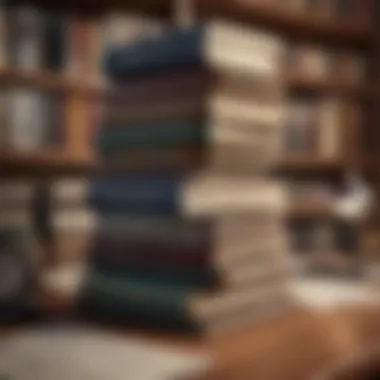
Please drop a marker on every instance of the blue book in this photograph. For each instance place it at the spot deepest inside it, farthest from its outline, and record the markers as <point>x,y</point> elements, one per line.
<point>177,48</point>
<point>185,195</point>
<point>134,195</point>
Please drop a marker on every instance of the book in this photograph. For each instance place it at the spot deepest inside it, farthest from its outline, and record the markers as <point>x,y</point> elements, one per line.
<point>301,126</point>
<point>185,243</point>
<point>26,41</point>
<point>55,41</point>
<point>331,128</point>
<point>29,120</point>
<point>192,196</point>
<point>249,270</point>
<point>188,84</point>
<point>217,44</point>
<point>159,304</point>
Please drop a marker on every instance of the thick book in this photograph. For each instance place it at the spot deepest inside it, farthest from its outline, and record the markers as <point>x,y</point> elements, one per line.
<point>215,44</point>
<point>189,196</point>
<point>187,84</point>
<point>26,37</point>
<point>218,244</point>
<point>248,271</point>
<point>157,303</point>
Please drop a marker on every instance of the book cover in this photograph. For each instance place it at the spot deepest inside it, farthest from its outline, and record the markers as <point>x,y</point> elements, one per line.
<point>193,196</point>
<point>190,46</point>
<point>157,302</point>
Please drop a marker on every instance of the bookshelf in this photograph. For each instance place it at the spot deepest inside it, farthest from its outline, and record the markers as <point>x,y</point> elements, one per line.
<point>74,158</point>
<point>329,87</point>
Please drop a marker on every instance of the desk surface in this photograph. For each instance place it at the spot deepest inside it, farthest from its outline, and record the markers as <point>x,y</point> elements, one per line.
<point>293,346</point>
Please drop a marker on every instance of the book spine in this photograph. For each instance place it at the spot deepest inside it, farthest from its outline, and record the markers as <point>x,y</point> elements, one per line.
<point>183,84</point>
<point>175,49</point>
<point>153,252</point>
<point>135,196</point>
<point>202,277</point>
<point>54,41</point>
<point>27,38</point>
<point>124,138</point>
<point>131,297</point>
<point>26,109</point>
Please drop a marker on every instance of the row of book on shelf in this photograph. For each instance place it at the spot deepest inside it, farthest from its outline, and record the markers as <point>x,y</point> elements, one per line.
<point>323,63</point>
<point>312,126</point>
<point>360,11</point>
<point>318,126</point>
<point>33,39</point>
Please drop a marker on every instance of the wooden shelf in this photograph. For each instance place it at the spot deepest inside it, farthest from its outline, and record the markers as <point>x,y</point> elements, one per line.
<point>49,163</point>
<point>309,210</point>
<point>310,163</point>
<point>298,81</point>
<point>296,24</point>
<point>46,81</point>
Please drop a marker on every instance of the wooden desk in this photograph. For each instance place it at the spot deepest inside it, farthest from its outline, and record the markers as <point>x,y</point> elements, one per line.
<point>290,347</point>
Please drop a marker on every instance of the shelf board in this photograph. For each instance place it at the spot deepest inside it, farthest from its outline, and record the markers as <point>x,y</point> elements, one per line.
<point>48,163</point>
<point>296,24</point>
<point>298,81</point>
<point>52,82</point>
<point>309,163</point>
<point>309,210</point>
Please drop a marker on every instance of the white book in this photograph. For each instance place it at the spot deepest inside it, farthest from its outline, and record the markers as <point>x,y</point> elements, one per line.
<point>28,31</point>
<point>27,131</point>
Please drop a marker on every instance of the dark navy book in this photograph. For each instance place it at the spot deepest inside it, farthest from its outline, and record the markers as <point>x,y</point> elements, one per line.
<point>137,195</point>
<point>177,48</point>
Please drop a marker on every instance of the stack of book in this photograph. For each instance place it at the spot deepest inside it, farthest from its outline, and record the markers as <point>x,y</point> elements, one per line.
<point>191,231</point>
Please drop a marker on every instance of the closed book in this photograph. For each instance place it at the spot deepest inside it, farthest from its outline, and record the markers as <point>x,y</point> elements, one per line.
<point>196,132</point>
<point>189,84</point>
<point>247,271</point>
<point>54,41</point>
<point>331,128</point>
<point>184,243</point>
<point>190,196</point>
<point>215,107</point>
<point>27,37</point>
<point>27,124</point>
<point>216,44</point>
<point>69,193</point>
<point>154,302</point>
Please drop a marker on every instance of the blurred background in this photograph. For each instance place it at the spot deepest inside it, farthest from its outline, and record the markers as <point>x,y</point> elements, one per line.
<point>188,166</point>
